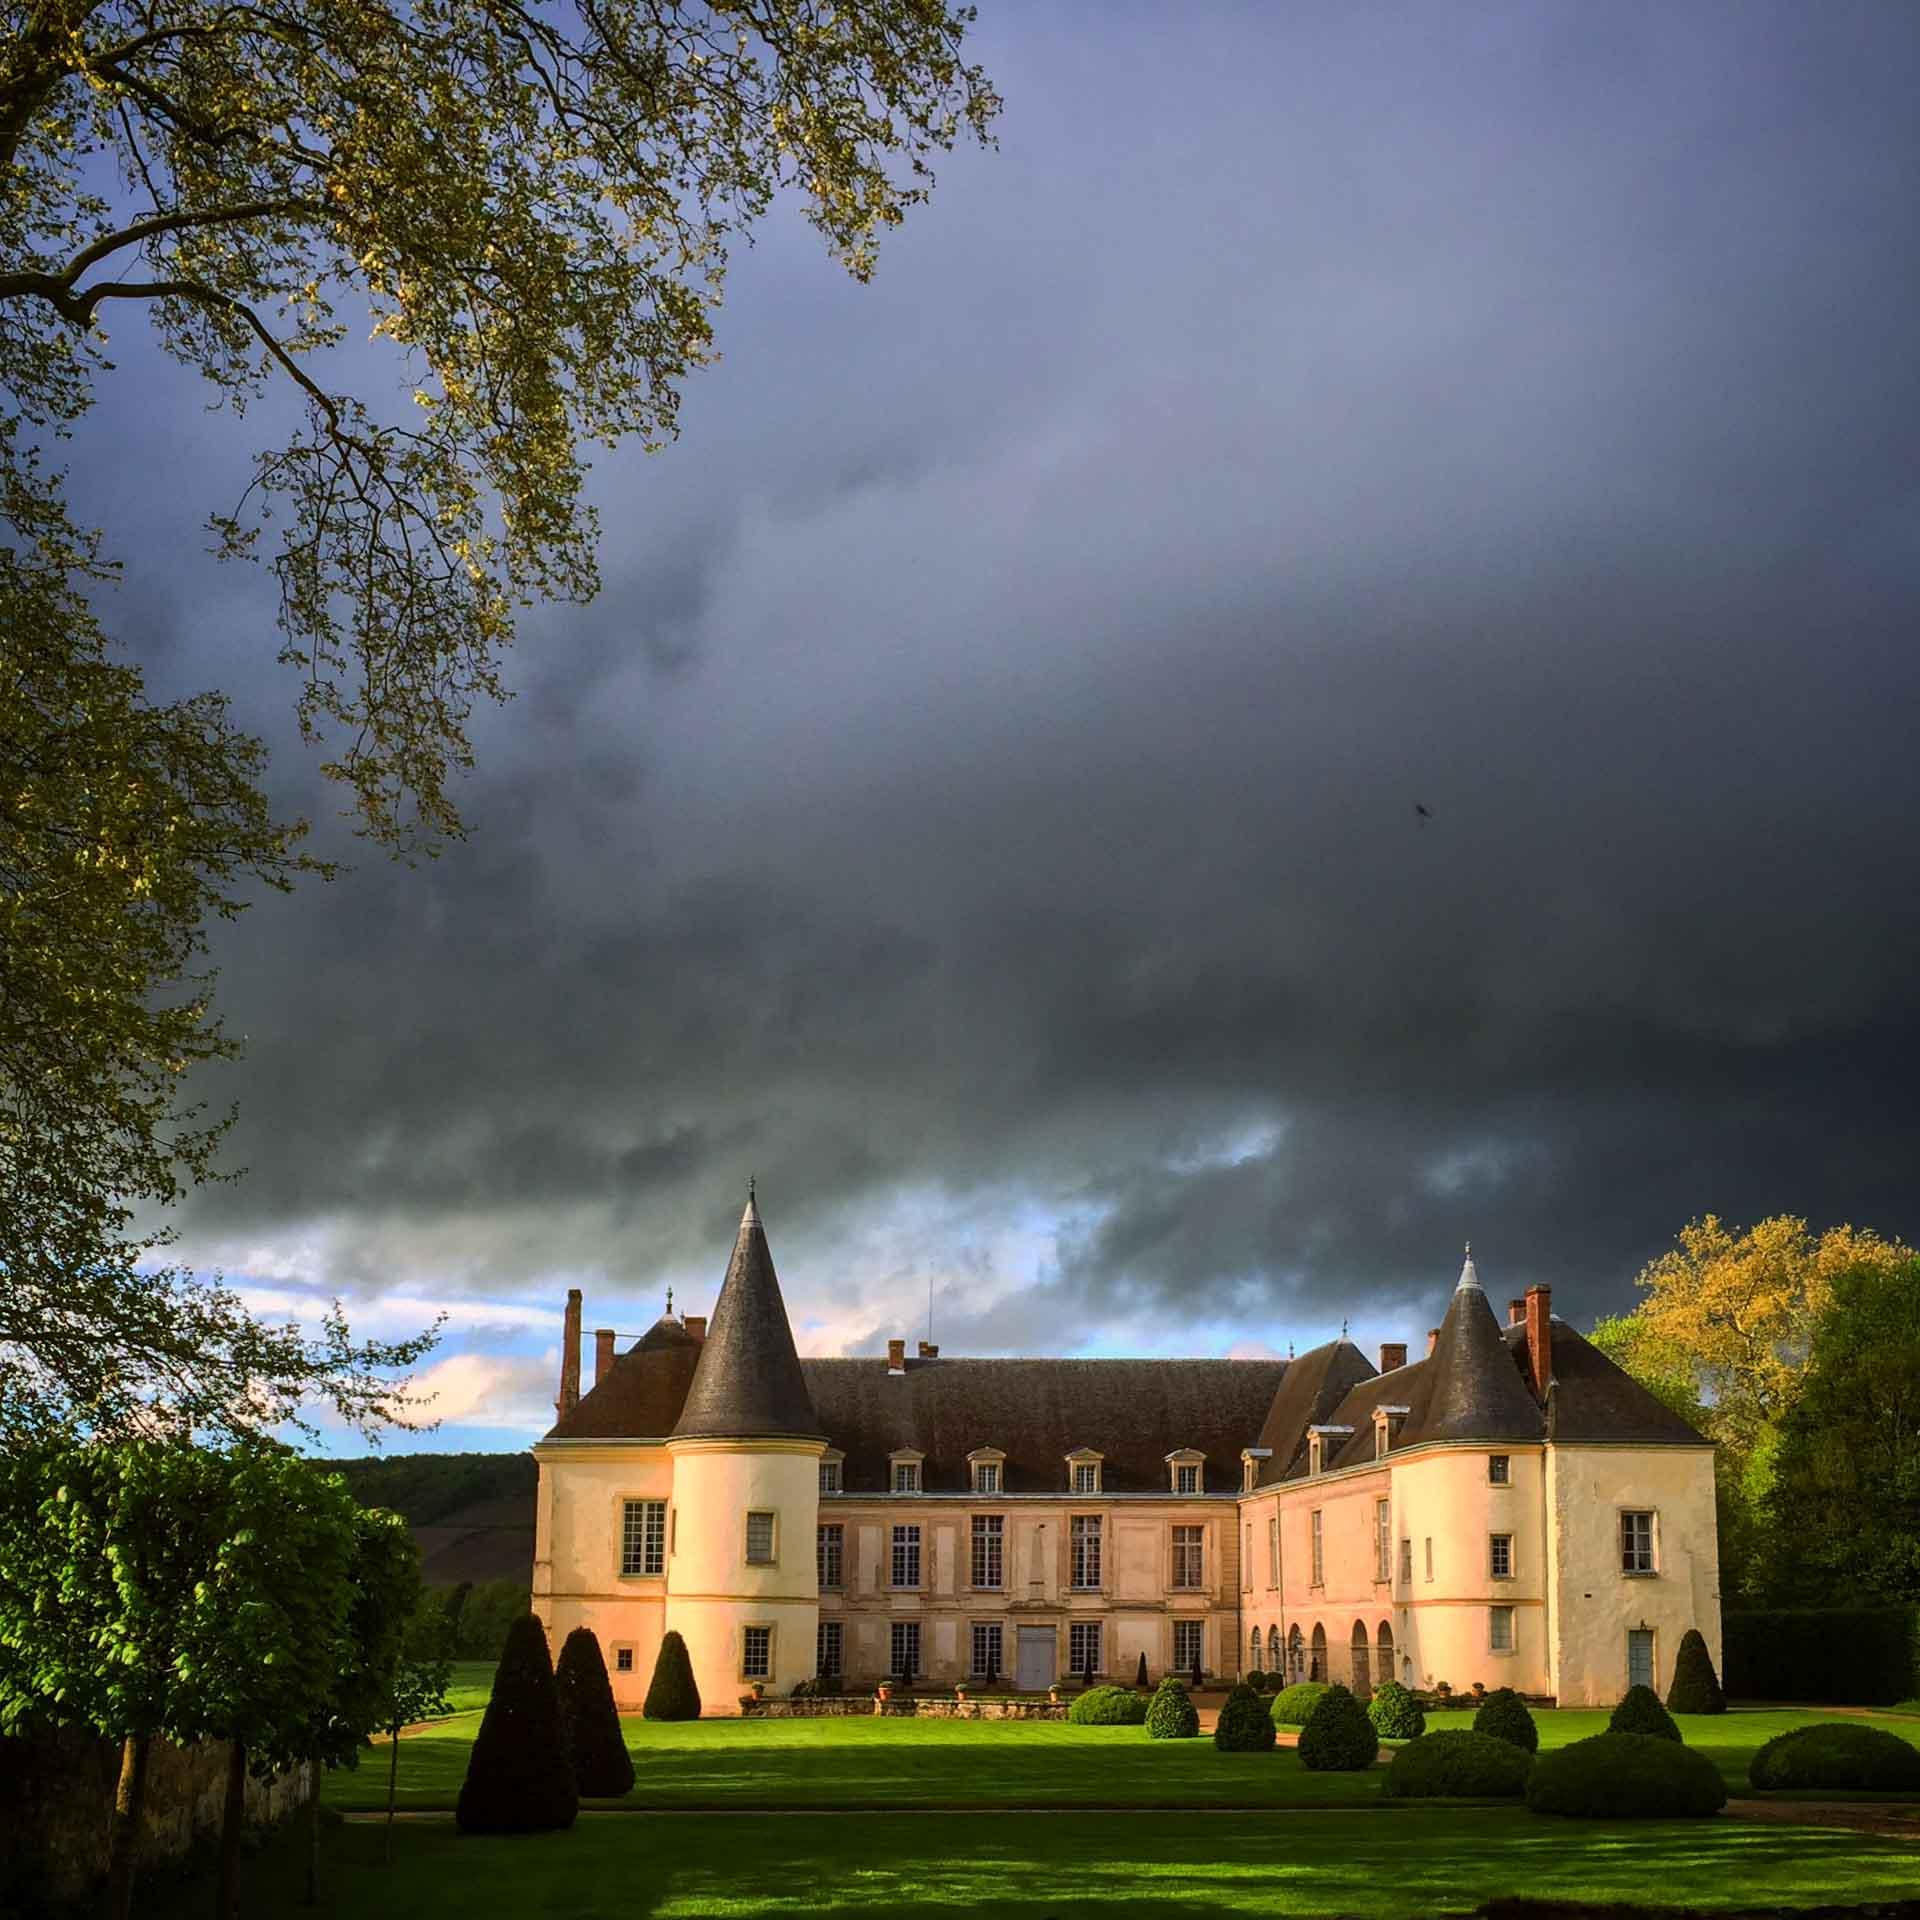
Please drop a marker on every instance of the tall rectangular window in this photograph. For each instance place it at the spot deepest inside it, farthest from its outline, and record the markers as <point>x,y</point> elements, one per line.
<point>905,1649</point>
<point>1187,1543</point>
<point>986,1476</point>
<point>1406,1563</point>
<point>832,1557</point>
<point>1500,1629</point>
<point>829,1476</point>
<point>1499,1469</point>
<point>759,1539</point>
<point>1083,1646</point>
<point>1382,1540</point>
<point>906,1556</point>
<point>1084,1535</point>
<point>829,1650</point>
<point>1429,1556</point>
<point>756,1652</point>
<point>1086,1477</point>
<point>1273,1551</point>
<point>906,1476</point>
<point>643,1536</point>
<point>1500,1556</point>
<point>1186,1645</point>
<point>1186,1479</point>
<point>1636,1543</point>
<point>1319,1556</point>
<point>988,1651</point>
<point>989,1544</point>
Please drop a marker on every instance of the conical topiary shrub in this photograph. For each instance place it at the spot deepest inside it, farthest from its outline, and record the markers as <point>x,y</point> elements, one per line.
<point>1504,1715</point>
<point>671,1695</point>
<point>589,1724</point>
<point>1696,1687</point>
<point>1395,1713</point>
<point>1338,1736</point>
<point>1140,1672</point>
<point>1641,1712</point>
<point>519,1779</point>
<point>1171,1715</point>
<point>1244,1725</point>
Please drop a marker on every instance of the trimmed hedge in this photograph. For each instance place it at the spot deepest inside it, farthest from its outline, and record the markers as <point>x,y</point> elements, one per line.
<point>1395,1713</point>
<point>1626,1776</point>
<point>1108,1707</point>
<point>1292,1706</point>
<point>1837,1755</point>
<point>1338,1736</point>
<point>1256,1678</point>
<point>1244,1725</point>
<point>1457,1765</point>
<point>1503,1715</point>
<point>589,1722</point>
<point>1640,1711</point>
<point>1171,1715</point>
<point>1844,1656</point>
<point>671,1694</point>
<point>519,1779</point>
<point>1696,1687</point>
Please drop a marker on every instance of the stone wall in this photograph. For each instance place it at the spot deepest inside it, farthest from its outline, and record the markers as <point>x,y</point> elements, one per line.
<point>56,1810</point>
<point>991,1708</point>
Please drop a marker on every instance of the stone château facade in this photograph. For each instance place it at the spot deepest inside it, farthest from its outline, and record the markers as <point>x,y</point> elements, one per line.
<point>1510,1508</point>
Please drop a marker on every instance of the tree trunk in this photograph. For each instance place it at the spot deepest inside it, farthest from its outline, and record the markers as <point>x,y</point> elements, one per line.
<point>227,1898</point>
<point>393,1785</point>
<point>129,1799</point>
<point>313,1839</point>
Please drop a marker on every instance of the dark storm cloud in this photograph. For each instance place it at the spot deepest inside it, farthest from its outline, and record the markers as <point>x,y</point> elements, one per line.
<point>983,800</point>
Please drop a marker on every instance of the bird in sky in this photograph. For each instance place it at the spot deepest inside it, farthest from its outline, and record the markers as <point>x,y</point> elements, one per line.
<point>1423,810</point>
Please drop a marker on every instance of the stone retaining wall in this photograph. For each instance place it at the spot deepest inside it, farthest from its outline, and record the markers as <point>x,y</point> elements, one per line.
<point>825,1706</point>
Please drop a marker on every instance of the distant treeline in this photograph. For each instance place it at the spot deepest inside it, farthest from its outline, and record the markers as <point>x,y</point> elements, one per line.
<point>424,1488</point>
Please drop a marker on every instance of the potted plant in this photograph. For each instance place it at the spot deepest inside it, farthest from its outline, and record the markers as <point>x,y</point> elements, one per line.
<point>884,1691</point>
<point>1053,1694</point>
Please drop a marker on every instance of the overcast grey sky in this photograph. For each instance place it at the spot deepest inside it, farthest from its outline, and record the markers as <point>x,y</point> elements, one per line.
<point>982,802</point>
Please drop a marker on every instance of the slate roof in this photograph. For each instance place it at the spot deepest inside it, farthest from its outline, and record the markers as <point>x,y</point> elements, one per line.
<point>1593,1399</point>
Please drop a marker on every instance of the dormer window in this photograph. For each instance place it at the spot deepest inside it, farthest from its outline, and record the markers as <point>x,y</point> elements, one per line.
<point>831,1464</point>
<point>1083,1470</point>
<point>1322,1444</point>
<point>1250,1458</point>
<point>988,1466</point>
<point>1386,1429</point>
<point>1187,1466</point>
<point>904,1474</point>
<point>1316,1453</point>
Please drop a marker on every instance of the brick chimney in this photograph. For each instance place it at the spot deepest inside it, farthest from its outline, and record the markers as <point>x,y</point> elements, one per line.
<point>1433,1340</point>
<point>1393,1355</point>
<point>697,1325</point>
<point>1516,1312</point>
<point>928,1351</point>
<point>896,1356</point>
<point>602,1353</point>
<point>1538,1305</point>
<point>569,1357</point>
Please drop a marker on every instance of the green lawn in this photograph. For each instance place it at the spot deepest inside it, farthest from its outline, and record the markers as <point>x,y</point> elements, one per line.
<point>898,1763</point>
<point>472,1685</point>
<point>1423,1861</point>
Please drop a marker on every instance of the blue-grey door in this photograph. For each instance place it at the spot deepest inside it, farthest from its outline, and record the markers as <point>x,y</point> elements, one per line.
<point>1639,1657</point>
<point>1036,1650</point>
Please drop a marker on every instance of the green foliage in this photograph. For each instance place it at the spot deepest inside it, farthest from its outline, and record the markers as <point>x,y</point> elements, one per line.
<point>519,1779</point>
<point>425,1487</point>
<point>1170,1714</point>
<point>1255,1678</point>
<point>1395,1713</point>
<point>1845,1656</point>
<point>1838,1755</point>
<point>589,1722</point>
<point>671,1694</point>
<point>1503,1715</point>
<point>1108,1707</point>
<point>1626,1776</point>
<point>1244,1725</point>
<point>1338,1736</point>
<point>1456,1764</point>
<point>1696,1687</point>
<point>490,1608</point>
<point>1293,1704</point>
<point>1640,1711</point>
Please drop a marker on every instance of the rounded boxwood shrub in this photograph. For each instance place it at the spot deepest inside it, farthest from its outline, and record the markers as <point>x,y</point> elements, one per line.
<point>1836,1754</point>
<point>589,1723</point>
<point>1395,1713</point>
<point>1244,1725</point>
<point>1338,1736</point>
<point>1171,1715</point>
<point>1641,1712</point>
<point>1626,1776</point>
<point>671,1694</point>
<point>1293,1704</point>
<point>1108,1707</point>
<point>519,1779</point>
<point>1696,1687</point>
<point>1255,1677</point>
<point>1457,1765</point>
<point>1503,1715</point>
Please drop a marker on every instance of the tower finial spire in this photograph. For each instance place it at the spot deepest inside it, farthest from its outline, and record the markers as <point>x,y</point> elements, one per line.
<point>1468,1276</point>
<point>669,1303</point>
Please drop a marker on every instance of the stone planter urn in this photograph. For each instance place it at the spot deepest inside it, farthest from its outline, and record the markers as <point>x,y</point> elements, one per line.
<point>883,1692</point>
<point>1053,1696</point>
<point>960,1696</point>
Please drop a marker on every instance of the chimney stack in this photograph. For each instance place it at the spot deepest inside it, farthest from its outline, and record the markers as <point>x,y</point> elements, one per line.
<point>696,1324</point>
<point>569,1357</point>
<point>896,1356</point>
<point>1433,1340</point>
<point>1393,1355</point>
<point>602,1353</point>
<point>1538,1305</point>
<point>1516,1312</point>
<point>928,1351</point>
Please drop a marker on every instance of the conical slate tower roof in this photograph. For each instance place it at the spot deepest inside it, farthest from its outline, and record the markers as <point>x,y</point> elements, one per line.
<point>1472,1388</point>
<point>748,1383</point>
